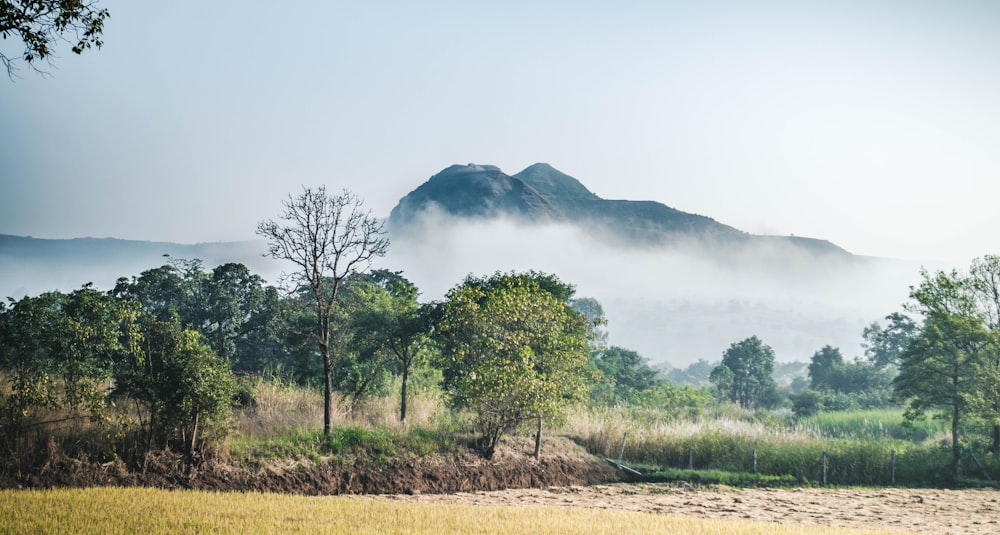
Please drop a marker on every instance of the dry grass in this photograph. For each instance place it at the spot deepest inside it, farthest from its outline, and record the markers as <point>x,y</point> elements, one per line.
<point>602,431</point>
<point>282,407</point>
<point>150,511</point>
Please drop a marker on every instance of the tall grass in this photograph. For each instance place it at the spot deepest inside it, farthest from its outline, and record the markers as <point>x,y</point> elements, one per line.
<point>873,424</point>
<point>870,448</point>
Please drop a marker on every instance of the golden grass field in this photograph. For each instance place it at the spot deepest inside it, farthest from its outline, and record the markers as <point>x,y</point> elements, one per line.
<point>151,511</point>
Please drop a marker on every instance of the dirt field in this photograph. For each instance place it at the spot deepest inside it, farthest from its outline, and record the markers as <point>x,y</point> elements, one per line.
<point>908,510</point>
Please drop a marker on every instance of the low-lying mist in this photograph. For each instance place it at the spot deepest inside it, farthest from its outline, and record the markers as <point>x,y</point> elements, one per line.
<point>675,304</point>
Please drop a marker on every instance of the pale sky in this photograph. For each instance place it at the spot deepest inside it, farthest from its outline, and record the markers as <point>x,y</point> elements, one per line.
<point>873,124</point>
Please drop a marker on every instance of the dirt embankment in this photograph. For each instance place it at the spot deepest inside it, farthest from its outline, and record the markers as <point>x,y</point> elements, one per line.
<point>458,473</point>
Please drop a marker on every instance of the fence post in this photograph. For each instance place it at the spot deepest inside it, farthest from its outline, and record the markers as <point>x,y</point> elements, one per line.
<point>892,472</point>
<point>824,468</point>
<point>621,451</point>
<point>690,457</point>
<point>755,460</point>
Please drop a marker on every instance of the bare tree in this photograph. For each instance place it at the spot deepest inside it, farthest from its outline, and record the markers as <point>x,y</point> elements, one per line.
<point>328,237</point>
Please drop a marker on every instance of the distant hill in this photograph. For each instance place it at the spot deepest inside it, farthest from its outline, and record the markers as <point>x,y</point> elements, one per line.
<point>543,194</point>
<point>29,266</point>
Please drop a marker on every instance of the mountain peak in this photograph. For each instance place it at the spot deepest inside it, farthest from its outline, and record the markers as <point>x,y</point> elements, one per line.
<point>543,193</point>
<point>472,190</point>
<point>553,183</point>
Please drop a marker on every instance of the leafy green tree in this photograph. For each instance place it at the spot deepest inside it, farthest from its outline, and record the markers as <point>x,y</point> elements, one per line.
<point>397,324</point>
<point>230,306</point>
<point>824,369</point>
<point>40,24</point>
<point>327,237</point>
<point>238,315</point>
<point>362,367</point>
<point>938,369</point>
<point>884,345</point>
<point>626,375</point>
<point>514,351</point>
<point>684,401</point>
<point>696,374</point>
<point>744,376</point>
<point>984,279</point>
<point>59,351</point>
<point>183,387</point>
<point>828,372</point>
<point>161,292</point>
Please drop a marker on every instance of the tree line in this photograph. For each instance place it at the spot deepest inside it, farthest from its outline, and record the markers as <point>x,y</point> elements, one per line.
<point>161,354</point>
<point>940,355</point>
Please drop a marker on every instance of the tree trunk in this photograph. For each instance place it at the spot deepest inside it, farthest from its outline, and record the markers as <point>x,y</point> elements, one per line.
<point>538,439</point>
<point>327,390</point>
<point>995,445</point>
<point>402,396</point>
<point>194,435</point>
<point>956,448</point>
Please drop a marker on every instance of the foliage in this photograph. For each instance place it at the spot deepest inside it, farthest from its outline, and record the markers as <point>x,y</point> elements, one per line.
<point>230,306</point>
<point>394,323</point>
<point>744,376</point>
<point>39,24</point>
<point>948,363</point>
<point>884,345</point>
<point>57,352</point>
<point>626,376</point>
<point>513,351</point>
<point>328,238</point>
<point>680,401</point>
<point>696,374</point>
<point>183,387</point>
<point>836,385</point>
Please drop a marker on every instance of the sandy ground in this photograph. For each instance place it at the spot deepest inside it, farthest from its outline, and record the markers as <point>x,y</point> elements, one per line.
<point>908,510</point>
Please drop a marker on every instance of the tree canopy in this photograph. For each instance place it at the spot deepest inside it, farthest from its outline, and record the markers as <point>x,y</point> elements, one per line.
<point>744,376</point>
<point>41,24</point>
<point>514,350</point>
<point>951,365</point>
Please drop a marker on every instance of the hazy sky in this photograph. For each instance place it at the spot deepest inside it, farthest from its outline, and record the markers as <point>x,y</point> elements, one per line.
<point>874,124</point>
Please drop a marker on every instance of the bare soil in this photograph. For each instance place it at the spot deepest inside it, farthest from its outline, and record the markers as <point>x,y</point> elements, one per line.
<point>906,510</point>
<point>466,472</point>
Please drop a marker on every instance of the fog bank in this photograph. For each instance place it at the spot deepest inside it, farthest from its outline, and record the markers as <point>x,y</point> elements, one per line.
<point>674,304</point>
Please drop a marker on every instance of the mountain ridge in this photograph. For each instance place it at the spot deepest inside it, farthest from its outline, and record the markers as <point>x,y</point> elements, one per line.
<point>542,194</point>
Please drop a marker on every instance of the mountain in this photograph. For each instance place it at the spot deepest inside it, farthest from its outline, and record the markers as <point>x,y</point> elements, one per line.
<point>543,194</point>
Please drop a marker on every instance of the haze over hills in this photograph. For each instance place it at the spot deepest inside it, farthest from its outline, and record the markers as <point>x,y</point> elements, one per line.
<point>29,266</point>
<point>675,286</point>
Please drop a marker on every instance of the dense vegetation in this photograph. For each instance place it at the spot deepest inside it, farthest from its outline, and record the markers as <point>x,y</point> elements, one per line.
<point>190,359</point>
